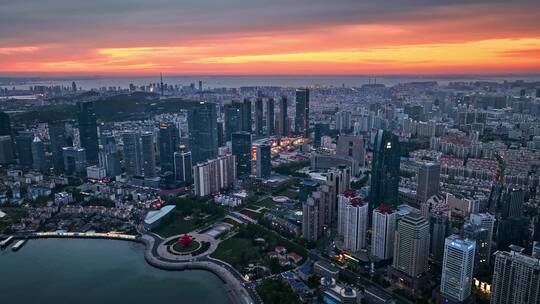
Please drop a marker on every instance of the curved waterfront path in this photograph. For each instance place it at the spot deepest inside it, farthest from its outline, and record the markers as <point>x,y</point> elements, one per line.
<point>157,255</point>
<point>238,294</point>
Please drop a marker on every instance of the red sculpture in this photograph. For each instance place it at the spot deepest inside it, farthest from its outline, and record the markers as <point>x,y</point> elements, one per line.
<point>185,240</point>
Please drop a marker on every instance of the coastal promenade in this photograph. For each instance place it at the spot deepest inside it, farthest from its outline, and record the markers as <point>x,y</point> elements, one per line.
<point>238,294</point>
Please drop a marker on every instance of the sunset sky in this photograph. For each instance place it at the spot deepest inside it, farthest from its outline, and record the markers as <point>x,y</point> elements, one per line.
<point>140,37</point>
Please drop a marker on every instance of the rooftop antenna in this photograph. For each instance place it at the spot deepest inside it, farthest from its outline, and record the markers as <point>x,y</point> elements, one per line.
<point>161,83</point>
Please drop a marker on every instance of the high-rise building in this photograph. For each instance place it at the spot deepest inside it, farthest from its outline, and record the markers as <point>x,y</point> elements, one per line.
<point>440,228</point>
<point>486,221</point>
<point>383,231</point>
<point>241,149</point>
<point>320,130</point>
<point>516,278</point>
<point>264,160</point>
<point>246,116</point>
<point>214,175</point>
<point>343,121</point>
<point>132,153</point>
<point>428,181</point>
<point>259,123</point>
<point>88,130</point>
<point>270,121</point>
<point>74,161</point>
<point>220,134</point>
<point>311,228</point>
<point>283,117</point>
<point>301,121</point>
<point>351,146</point>
<point>458,265</point>
<point>6,150</point>
<point>385,170</point>
<point>183,167</point>
<point>58,140</point>
<point>202,126</point>
<point>38,155</point>
<point>148,154</point>
<point>5,124</point>
<point>111,162</point>
<point>512,205</point>
<point>233,118</point>
<point>343,200</point>
<point>481,236</point>
<point>411,247</point>
<point>354,238</point>
<point>513,231</point>
<point>338,180</point>
<point>168,142</point>
<point>24,148</point>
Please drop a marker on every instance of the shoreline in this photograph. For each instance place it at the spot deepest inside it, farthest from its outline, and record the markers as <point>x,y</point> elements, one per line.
<point>235,290</point>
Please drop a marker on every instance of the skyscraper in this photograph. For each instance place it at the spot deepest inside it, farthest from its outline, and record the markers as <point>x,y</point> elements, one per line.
<point>516,278</point>
<point>233,118</point>
<point>132,153</point>
<point>320,130</point>
<point>5,124</point>
<point>148,154</point>
<point>202,127</point>
<point>220,134</point>
<point>428,181</point>
<point>411,247</point>
<point>439,231</point>
<point>382,237</point>
<point>24,148</point>
<point>246,116</point>
<point>58,139</point>
<point>311,228</point>
<point>6,150</point>
<point>343,200</point>
<point>264,161</point>
<point>458,265</point>
<point>74,161</point>
<point>241,149</point>
<point>301,121</point>
<point>354,238</point>
<point>283,117</point>
<point>486,221</point>
<point>183,167</point>
<point>481,236</point>
<point>259,116</point>
<point>385,170</point>
<point>168,141</point>
<point>270,121</point>
<point>512,204</point>
<point>38,155</point>
<point>88,130</point>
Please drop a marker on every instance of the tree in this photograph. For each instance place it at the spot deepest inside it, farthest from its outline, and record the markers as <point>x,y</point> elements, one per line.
<point>277,292</point>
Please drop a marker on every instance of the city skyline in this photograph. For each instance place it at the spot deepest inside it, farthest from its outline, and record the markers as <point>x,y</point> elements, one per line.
<point>242,37</point>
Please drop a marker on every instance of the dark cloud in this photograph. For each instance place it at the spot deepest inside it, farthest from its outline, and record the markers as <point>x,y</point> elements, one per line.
<point>30,22</point>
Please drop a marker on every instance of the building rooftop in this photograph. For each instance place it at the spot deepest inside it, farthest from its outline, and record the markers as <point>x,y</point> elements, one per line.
<point>153,216</point>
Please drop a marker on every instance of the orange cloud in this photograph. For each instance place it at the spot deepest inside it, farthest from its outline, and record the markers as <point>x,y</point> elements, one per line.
<point>348,49</point>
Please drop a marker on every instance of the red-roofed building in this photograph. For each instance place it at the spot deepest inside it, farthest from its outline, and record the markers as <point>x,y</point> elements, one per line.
<point>349,193</point>
<point>281,250</point>
<point>357,202</point>
<point>295,257</point>
<point>384,208</point>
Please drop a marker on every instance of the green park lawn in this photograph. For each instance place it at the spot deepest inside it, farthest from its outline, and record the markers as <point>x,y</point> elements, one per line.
<point>175,225</point>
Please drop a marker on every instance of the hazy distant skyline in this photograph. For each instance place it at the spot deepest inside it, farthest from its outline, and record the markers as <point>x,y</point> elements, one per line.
<point>142,37</point>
